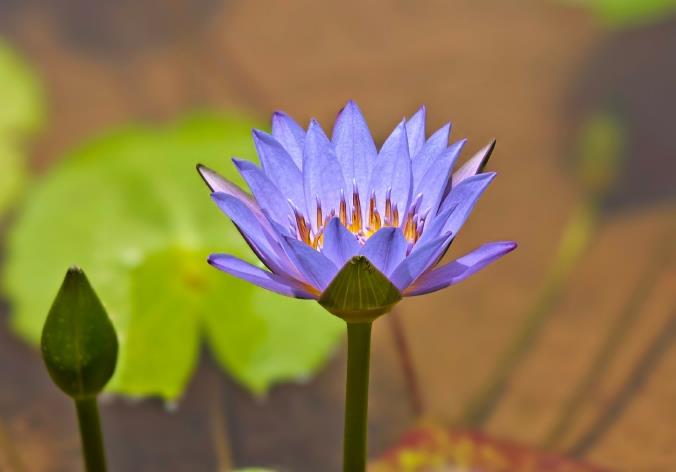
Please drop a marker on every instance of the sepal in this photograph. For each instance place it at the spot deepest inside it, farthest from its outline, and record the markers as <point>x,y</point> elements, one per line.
<point>359,292</point>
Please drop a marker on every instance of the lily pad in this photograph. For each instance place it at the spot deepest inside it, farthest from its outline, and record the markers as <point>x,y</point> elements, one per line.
<point>130,209</point>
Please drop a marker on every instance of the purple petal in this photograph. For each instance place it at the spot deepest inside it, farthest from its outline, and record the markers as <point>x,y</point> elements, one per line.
<point>290,135</point>
<point>419,261</point>
<point>464,197</point>
<point>433,184</point>
<point>386,249</point>
<point>355,150</point>
<point>316,268</point>
<point>218,183</point>
<point>322,176</point>
<point>268,196</point>
<point>434,146</point>
<point>392,172</point>
<point>340,245</point>
<point>475,164</point>
<point>460,269</point>
<point>279,167</point>
<point>257,276</point>
<point>415,131</point>
<point>261,239</point>
<point>433,228</point>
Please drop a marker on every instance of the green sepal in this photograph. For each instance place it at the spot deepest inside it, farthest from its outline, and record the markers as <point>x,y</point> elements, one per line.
<point>359,293</point>
<point>79,344</point>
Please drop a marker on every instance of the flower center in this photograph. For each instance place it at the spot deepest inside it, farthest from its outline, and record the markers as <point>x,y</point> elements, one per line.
<point>412,225</point>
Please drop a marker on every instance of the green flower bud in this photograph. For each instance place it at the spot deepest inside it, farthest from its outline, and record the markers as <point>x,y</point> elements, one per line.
<point>79,344</point>
<point>359,293</point>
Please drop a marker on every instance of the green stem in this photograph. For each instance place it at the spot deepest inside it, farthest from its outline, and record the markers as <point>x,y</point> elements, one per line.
<point>356,396</point>
<point>90,434</point>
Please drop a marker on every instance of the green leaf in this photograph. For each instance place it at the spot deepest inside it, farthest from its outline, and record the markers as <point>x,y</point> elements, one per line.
<point>21,112</point>
<point>163,331</point>
<point>130,208</point>
<point>286,340</point>
<point>360,292</point>
<point>620,13</point>
<point>79,344</point>
<point>21,95</point>
<point>12,173</point>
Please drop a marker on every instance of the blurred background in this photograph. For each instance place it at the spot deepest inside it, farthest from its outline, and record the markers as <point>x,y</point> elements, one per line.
<point>559,357</point>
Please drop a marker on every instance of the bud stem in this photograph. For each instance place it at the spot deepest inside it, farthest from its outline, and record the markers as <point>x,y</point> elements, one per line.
<point>356,396</point>
<point>90,434</point>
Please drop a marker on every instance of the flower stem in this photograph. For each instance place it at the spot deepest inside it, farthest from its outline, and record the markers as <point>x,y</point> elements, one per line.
<point>356,396</point>
<point>90,434</point>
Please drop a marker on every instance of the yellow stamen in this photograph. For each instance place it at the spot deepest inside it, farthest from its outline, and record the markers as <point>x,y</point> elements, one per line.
<point>355,226</point>
<point>342,213</point>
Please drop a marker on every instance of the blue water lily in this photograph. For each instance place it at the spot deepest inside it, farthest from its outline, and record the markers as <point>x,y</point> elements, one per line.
<point>318,206</point>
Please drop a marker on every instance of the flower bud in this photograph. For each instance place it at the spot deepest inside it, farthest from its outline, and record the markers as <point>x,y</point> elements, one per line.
<point>79,344</point>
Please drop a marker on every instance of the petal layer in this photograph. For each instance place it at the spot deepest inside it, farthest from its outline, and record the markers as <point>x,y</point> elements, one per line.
<point>392,172</point>
<point>290,135</point>
<point>355,150</point>
<point>460,269</point>
<point>431,149</point>
<point>260,239</point>
<point>316,268</point>
<point>279,167</point>
<point>267,195</point>
<point>340,245</point>
<point>474,164</point>
<point>258,276</point>
<point>463,198</point>
<point>420,261</point>
<point>386,249</point>
<point>435,180</point>
<point>415,131</point>
<point>322,175</point>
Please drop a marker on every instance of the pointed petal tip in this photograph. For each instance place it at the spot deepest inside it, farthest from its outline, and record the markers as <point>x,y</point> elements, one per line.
<point>314,125</point>
<point>202,169</point>
<point>211,258</point>
<point>263,136</point>
<point>487,151</point>
<point>242,163</point>
<point>208,175</point>
<point>421,109</point>
<point>488,175</point>
<point>350,104</point>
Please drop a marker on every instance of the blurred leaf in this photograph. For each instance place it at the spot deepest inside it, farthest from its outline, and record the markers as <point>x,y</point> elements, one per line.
<point>600,152</point>
<point>20,95</point>
<point>12,173</point>
<point>629,12</point>
<point>132,211</point>
<point>288,339</point>
<point>21,112</point>
<point>163,335</point>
